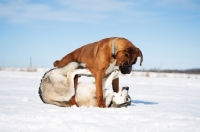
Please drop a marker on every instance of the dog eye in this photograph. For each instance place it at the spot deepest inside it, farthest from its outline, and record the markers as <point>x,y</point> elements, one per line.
<point>134,61</point>
<point>127,98</point>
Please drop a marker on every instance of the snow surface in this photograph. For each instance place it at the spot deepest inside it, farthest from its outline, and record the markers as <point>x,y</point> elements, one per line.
<point>167,103</point>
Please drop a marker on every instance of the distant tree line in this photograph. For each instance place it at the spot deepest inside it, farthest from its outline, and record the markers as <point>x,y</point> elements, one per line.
<point>187,71</point>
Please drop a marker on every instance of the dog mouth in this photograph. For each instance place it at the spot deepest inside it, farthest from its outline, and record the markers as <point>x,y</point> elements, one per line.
<point>125,68</point>
<point>126,104</point>
<point>123,105</point>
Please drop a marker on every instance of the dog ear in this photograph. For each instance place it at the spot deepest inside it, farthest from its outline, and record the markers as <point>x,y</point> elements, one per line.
<point>125,88</point>
<point>127,52</point>
<point>140,55</point>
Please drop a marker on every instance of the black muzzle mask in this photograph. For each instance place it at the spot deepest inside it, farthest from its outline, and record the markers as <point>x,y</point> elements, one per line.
<point>126,68</point>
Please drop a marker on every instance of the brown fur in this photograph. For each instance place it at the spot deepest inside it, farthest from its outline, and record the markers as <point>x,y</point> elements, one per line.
<point>97,57</point>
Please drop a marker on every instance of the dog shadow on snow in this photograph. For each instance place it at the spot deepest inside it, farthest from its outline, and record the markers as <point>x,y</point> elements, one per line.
<point>135,102</point>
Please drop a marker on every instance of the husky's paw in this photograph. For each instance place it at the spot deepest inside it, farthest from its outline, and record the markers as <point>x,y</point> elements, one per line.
<point>115,72</point>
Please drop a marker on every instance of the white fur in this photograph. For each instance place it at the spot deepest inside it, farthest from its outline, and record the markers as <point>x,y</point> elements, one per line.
<point>108,81</point>
<point>111,67</point>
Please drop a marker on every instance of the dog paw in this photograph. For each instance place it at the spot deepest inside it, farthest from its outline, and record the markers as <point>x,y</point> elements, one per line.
<point>101,105</point>
<point>115,72</point>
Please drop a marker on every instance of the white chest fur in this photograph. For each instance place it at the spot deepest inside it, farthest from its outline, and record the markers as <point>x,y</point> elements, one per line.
<point>111,67</point>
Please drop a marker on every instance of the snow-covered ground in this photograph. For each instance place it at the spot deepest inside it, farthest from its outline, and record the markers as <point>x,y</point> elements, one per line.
<point>160,103</point>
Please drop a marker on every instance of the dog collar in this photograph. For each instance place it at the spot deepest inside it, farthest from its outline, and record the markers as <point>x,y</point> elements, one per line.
<point>113,48</point>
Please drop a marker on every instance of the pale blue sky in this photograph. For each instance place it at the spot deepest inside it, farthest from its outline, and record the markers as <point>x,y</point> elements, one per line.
<point>166,31</point>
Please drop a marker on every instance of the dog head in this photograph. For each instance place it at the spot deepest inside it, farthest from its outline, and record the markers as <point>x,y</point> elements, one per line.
<point>121,99</point>
<point>126,58</point>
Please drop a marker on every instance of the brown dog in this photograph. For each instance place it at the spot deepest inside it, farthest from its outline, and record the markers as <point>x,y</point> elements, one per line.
<point>101,57</point>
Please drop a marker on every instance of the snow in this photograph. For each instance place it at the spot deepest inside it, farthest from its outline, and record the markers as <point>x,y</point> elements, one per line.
<point>160,103</point>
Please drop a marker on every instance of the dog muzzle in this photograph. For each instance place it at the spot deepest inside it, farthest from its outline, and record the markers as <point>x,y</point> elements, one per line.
<point>125,104</point>
<point>125,68</point>
<point>128,103</point>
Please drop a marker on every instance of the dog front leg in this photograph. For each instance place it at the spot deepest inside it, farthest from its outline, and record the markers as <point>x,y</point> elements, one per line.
<point>115,85</point>
<point>99,89</point>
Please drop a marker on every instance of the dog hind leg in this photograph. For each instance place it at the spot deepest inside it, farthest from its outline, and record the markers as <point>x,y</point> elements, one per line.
<point>65,60</point>
<point>73,100</point>
<point>73,79</point>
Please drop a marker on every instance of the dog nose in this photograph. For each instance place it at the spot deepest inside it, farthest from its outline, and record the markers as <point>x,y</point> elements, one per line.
<point>127,98</point>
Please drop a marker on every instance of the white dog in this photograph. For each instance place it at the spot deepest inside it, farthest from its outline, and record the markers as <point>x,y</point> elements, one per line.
<point>57,87</point>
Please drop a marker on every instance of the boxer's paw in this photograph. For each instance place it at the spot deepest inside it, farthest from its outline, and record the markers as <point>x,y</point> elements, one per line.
<point>101,105</point>
<point>100,102</point>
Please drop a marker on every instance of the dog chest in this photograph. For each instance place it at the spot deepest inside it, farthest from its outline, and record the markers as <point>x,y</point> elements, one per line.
<point>110,68</point>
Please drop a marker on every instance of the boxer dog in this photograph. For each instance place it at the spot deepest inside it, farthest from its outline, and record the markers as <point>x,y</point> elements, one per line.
<point>101,57</point>
<point>57,87</point>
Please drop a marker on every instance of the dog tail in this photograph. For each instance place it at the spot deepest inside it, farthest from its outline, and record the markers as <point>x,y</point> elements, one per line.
<point>46,75</point>
<point>40,94</point>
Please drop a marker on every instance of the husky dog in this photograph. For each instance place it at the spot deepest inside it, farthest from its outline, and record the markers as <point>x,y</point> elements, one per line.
<point>57,87</point>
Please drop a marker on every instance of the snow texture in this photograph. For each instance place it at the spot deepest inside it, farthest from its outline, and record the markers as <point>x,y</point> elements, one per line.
<point>168,103</point>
